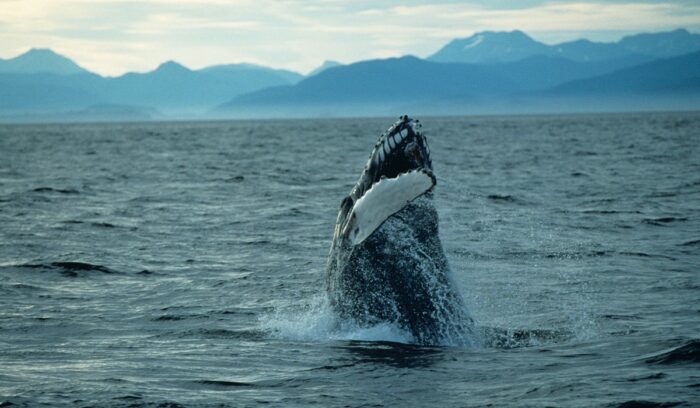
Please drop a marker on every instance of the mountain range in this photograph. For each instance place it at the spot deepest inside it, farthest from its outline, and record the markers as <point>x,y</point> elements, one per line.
<point>498,47</point>
<point>489,72</point>
<point>42,83</point>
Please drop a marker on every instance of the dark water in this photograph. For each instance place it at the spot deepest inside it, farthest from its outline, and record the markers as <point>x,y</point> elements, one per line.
<point>182,264</point>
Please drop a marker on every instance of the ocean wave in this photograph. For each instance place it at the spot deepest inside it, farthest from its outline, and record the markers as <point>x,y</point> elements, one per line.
<point>686,353</point>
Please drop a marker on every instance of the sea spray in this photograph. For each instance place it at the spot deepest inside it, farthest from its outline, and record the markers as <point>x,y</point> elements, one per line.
<point>316,321</point>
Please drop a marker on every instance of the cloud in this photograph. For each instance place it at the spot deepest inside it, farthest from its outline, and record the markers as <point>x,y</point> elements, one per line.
<point>114,36</point>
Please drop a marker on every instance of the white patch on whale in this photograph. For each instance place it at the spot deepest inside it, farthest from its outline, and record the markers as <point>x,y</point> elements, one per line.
<point>384,199</point>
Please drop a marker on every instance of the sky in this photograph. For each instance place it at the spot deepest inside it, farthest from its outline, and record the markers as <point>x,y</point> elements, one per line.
<point>111,37</point>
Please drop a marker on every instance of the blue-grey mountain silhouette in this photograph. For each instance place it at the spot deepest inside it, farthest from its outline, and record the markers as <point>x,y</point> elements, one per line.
<point>39,60</point>
<point>171,87</point>
<point>490,47</point>
<point>326,65</point>
<point>489,72</point>
<point>677,75</point>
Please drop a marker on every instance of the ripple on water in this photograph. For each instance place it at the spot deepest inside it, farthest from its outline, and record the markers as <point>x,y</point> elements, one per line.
<point>684,354</point>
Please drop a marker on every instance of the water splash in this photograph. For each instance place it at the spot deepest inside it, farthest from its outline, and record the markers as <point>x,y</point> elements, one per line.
<point>317,322</point>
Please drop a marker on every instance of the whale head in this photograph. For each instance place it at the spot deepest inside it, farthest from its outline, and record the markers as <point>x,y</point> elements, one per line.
<point>398,170</point>
<point>401,149</point>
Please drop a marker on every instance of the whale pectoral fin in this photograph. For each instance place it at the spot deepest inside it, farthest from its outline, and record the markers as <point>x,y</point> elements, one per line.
<point>386,197</point>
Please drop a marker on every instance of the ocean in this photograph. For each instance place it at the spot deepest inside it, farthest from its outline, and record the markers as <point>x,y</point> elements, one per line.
<point>182,264</point>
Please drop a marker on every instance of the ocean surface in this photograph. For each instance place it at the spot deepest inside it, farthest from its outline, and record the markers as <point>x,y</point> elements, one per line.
<point>182,264</point>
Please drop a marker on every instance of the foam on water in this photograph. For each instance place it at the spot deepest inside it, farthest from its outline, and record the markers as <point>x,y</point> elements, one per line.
<point>317,322</point>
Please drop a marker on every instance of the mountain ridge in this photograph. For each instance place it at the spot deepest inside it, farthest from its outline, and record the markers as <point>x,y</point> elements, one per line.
<point>509,76</point>
<point>490,47</point>
<point>381,87</point>
<point>38,60</point>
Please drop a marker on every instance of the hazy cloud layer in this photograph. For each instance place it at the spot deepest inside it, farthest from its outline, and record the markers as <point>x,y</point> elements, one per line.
<point>111,37</point>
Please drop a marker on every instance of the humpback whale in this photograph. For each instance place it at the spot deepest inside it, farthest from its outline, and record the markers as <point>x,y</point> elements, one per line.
<point>386,262</point>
